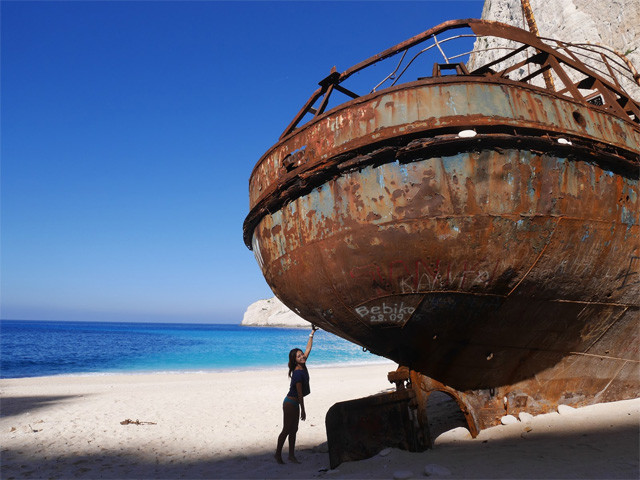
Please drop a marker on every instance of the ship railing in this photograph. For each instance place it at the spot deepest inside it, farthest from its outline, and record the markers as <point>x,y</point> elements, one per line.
<point>586,73</point>
<point>436,43</point>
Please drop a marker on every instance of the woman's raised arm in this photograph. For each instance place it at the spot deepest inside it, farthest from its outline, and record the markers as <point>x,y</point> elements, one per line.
<point>310,341</point>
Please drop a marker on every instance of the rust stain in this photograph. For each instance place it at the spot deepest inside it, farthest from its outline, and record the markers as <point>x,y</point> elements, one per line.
<point>498,267</point>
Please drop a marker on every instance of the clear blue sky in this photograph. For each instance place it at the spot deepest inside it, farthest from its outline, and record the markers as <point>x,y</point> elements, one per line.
<point>129,131</point>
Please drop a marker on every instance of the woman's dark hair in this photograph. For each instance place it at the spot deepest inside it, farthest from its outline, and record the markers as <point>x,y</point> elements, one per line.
<point>292,360</point>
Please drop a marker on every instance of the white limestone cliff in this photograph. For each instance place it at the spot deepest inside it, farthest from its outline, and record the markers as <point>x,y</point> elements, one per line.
<point>613,23</point>
<point>272,313</point>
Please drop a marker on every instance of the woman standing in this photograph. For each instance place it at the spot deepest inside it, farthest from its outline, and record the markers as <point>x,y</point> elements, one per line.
<point>293,405</point>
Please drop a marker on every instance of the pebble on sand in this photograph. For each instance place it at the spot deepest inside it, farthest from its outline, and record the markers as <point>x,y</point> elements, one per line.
<point>525,417</point>
<point>565,410</point>
<point>508,420</point>
<point>437,470</point>
<point>454,435</point>
<point>402,475</point>
<point>385,452</point>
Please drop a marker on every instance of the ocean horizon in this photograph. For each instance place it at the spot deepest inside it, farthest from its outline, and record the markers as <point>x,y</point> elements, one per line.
<point>35,348</point>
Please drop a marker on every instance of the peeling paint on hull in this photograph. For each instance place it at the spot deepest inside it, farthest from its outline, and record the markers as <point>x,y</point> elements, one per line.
<point>504,268</point>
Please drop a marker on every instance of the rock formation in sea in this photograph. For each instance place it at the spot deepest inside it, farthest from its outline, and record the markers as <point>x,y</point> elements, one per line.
<point>272,313</point>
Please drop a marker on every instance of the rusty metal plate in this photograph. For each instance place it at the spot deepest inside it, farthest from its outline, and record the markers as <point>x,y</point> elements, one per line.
<point>499,265</point>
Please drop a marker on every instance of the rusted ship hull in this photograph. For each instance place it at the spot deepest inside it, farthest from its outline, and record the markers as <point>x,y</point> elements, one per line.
<point>502,267</point>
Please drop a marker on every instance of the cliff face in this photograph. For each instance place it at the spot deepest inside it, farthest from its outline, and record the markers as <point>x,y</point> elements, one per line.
<point>272,313</point>
<point>614,24</point>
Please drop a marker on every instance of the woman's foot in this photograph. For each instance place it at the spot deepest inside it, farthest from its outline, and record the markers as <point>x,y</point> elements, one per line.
<point>278,458</point>
<point>293,459</point>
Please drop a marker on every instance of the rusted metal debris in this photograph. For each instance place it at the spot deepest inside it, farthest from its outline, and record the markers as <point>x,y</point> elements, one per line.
<point>361,428</point>
<point>478,228</point>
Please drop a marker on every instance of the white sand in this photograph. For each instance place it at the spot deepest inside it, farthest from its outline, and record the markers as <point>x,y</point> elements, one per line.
<point>224,425</point>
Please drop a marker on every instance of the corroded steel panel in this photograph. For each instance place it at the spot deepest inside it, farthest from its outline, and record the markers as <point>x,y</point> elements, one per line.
<point>426,106</point>
<point>501,267</point>
<point>375,242</point>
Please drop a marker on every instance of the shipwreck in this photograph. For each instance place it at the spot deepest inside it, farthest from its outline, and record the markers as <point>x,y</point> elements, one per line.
<point>477,226</point>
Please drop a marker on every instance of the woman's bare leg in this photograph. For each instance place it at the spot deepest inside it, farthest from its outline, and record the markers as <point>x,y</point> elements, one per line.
<point>281,438</point>
<point>289,429</point>
<point>295,420</point>
<point>292,448</point>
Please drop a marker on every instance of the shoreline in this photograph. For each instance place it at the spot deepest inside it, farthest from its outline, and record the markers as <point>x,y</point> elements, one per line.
<point>149,348</point>
<point>225,424</point>
<point>383,361</point>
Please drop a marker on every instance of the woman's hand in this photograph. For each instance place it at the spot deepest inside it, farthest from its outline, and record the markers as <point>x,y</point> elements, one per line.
<point>310,341</point>
<point>303,414</point>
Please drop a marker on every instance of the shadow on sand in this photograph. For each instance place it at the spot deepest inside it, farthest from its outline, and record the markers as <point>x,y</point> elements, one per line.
<point>588,454</point>
<point>17,405</point>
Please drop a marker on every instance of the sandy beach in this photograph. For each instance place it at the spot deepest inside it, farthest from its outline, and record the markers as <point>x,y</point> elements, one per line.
<point>224,425</point>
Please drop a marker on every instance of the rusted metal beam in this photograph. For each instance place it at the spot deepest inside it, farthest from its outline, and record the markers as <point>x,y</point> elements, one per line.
<point>347,92</point>
<point>303,111</point>
<point>486,68</point>
<point>533,28</point>
<point>325,100</point>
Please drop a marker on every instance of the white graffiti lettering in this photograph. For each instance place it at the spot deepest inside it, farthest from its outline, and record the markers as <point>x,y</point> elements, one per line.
<point>385,313</point>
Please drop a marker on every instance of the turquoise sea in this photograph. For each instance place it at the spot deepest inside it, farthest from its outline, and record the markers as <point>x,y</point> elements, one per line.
<point>39,348</point>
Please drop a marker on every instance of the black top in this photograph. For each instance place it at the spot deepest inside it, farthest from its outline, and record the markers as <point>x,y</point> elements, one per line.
<point>299,376</point>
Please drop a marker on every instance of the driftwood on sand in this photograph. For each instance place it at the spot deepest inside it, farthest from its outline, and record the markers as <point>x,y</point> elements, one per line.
<point>128,421</point>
